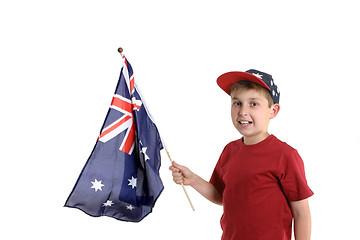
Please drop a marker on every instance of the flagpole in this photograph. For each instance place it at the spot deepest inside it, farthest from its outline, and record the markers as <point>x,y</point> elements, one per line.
<point>120,50</point>
<point>187,196</point>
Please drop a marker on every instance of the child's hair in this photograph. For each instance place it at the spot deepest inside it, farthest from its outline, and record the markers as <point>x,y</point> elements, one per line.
<point>251,85</point>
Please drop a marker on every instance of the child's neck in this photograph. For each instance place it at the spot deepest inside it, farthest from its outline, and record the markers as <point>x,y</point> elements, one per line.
<point>251,140</point>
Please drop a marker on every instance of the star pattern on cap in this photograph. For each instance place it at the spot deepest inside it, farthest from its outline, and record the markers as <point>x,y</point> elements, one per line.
<point>258,75</point>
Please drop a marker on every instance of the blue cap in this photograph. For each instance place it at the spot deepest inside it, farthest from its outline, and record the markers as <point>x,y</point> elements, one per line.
<point>226,80</point>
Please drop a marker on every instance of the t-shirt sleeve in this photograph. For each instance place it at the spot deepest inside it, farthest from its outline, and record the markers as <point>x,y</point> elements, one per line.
<point>217,176</point>
<point>293,180</point>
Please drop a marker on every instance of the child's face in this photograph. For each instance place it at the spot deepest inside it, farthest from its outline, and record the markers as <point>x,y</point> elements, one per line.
<point>251,114</point>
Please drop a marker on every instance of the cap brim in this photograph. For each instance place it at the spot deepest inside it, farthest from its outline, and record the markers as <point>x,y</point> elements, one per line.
<point>226,80</point>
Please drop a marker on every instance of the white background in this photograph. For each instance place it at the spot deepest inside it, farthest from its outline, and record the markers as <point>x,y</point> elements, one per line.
<point>59,66</point>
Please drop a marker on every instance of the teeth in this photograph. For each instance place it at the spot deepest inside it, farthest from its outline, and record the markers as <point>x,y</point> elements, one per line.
<point>245,122</point>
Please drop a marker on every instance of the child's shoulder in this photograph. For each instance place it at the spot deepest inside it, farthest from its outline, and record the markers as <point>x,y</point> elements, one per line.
<point>284,145</point>
<point>287,153</point>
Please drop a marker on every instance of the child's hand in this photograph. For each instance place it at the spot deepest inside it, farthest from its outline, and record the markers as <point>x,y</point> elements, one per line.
<point>181,174</point>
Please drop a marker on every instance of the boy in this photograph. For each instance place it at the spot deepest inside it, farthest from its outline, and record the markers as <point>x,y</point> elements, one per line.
<point>259,180</point>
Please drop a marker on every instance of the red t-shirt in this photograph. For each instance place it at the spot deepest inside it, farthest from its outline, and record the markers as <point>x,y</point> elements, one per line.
<point>257,182</point>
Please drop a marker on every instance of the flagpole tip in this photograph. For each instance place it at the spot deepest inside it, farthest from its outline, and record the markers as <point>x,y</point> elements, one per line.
<point>120,50</point>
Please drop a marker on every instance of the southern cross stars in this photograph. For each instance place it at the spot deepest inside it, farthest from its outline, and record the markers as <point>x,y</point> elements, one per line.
<point>108,203</point>
<point>143,150</point>
<point>97,185</point>
<point>130,207</point>
<point>132,182</point>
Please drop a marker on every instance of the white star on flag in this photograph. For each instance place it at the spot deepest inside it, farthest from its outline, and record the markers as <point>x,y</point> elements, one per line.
<point>143,150</point>
<point>97,185</point>
<point>132,182</point>
<point>108,203</point>
<point>258,75</point>
<point>130,207</point>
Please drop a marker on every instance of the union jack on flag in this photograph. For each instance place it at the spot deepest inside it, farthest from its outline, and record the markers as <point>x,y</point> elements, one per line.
<point>121,177</point>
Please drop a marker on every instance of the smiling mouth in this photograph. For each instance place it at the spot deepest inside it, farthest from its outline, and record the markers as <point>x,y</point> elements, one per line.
<point>243,123</point>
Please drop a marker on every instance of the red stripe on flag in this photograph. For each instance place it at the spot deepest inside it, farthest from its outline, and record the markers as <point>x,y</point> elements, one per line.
<point>132,84</point>
<point>129,140</point>
<point>112,128</point>
<point>117,102</point>
<point>125,62</point>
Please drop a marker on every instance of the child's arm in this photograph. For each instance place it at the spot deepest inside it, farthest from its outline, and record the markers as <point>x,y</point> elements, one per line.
<point>182,174</point>
<point>302,219</point>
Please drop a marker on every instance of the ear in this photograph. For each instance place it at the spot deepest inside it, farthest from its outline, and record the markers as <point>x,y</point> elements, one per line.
<point>274,110</point>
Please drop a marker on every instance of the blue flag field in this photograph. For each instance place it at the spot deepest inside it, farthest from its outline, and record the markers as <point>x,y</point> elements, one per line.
<point>121,177</point>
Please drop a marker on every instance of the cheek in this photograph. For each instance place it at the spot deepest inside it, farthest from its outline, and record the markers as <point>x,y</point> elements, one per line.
<point>234,113</point>
<point>233,117</point>
<point>265,118</point>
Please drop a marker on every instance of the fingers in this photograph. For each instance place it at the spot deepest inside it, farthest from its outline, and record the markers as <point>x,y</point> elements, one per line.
<point>178,176</point>
<point>175,164</point>
<point>183,169</point>
<point>175,167</point>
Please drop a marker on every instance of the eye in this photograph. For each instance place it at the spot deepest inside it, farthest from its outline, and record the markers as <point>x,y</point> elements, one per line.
<point>254,104</point>
<point>236,103</point>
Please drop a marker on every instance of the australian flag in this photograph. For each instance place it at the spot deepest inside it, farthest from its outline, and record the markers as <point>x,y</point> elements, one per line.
<point>121,177</point>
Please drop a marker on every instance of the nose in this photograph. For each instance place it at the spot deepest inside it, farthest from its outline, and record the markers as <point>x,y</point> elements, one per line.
<point>243,111</point>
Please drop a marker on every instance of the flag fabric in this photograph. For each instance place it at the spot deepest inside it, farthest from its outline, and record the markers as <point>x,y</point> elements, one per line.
<point>121,177</point>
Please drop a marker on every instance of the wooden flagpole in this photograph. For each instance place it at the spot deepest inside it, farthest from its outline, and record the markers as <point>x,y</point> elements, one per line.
<point>187,196</point>
<point>120,50</point>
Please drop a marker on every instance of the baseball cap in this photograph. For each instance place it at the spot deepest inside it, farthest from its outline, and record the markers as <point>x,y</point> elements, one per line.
<point>226,80</point>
